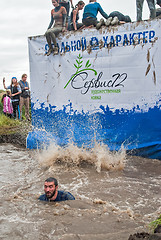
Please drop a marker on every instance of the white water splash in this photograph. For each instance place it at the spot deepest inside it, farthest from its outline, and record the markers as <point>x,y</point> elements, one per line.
<point>100,157</point>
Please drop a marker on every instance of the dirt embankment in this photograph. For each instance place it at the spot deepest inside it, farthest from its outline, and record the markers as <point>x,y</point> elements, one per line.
<point>146,236</point>
<point>15,135</point>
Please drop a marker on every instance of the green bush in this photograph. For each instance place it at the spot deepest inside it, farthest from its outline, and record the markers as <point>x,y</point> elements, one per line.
<point>6,121</point>
<point>155,223</point>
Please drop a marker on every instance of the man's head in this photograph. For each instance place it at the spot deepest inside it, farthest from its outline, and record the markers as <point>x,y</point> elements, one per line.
<point>24,77</point>
<point>92,0</point>
<point>50,187</point>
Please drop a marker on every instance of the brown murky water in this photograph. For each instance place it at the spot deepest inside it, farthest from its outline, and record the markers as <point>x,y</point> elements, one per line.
<point>116,195</point>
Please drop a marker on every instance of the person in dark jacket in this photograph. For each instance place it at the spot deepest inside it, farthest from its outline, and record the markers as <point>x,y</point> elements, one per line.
<point>25,96</point>
<point>121,17</point>
<point>15,96</point>
<point>52,194</point>
<point>90,14</point>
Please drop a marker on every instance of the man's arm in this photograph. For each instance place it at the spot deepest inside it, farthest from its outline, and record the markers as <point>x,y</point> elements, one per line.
<point>21,85</point>
<point>102,12</point>
<point>68,196</point>
<point>43,198</point>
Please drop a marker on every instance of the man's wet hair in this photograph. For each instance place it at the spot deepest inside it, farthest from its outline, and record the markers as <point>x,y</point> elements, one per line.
<point>51,179</point>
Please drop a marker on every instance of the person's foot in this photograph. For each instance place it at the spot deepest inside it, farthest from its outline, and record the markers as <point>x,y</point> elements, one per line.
<point>55,52</point>
<point>101,22</point>
<point>115,21</point>
<point>108,21</point>
<point>49,52</point>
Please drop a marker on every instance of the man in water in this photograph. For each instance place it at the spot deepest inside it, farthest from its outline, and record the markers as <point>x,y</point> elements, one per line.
<point>52,194</point>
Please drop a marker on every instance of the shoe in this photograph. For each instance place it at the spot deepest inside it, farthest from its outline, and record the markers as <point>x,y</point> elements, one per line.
<point>101,22</point>
<point>49,52</point>
<point>115,21</point>
<point>55,52</point>
<point>108,21</point>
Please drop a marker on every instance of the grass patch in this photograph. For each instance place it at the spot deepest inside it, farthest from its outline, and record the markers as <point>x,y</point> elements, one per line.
<point>8,125</point>
<point>155,223</point>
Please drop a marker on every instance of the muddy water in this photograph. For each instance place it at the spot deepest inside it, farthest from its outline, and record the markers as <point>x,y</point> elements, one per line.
<point>116,195</point>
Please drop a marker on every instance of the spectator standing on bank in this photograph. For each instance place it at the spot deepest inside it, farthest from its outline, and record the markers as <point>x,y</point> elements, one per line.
<point>7,104</point>
<point>90,14</point>
<point>25,96</point>
<point>74,17</point>
<point>139,8</point>
<point>15,96</point>
<point>58,17</point>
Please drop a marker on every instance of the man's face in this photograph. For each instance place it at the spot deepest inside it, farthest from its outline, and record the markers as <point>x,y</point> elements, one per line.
<point>49,189</point>
<point>24,78</point>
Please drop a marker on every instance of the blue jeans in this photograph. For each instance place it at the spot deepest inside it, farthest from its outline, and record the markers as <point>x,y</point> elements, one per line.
<point>90,21</point>
<point>139,7</point>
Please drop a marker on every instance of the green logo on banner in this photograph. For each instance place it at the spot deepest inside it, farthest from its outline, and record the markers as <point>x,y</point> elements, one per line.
<point>78,66</point>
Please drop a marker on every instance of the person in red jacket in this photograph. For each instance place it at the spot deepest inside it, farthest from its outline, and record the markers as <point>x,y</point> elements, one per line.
<point>7,104</point>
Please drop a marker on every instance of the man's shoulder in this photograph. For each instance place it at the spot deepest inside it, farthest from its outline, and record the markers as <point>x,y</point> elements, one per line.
<point>20,83</point>
<point>63,196</point>
<point>96,3</point>
<point>43,197</point>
